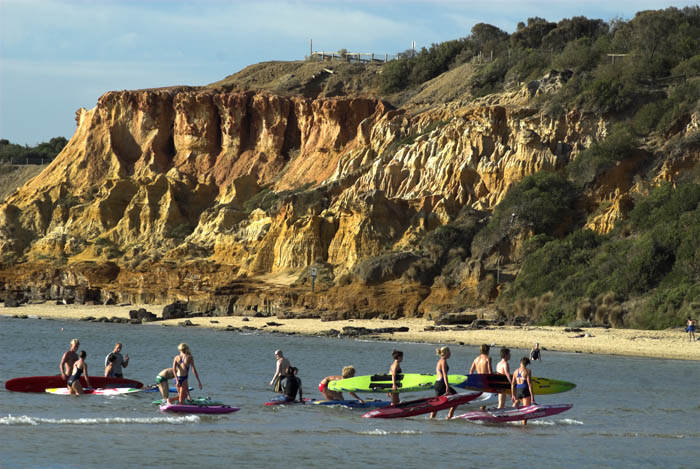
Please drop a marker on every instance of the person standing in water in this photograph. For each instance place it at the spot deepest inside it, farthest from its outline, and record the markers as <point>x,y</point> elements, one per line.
<point>69,358</point>
<point>482,363</point>
<point>535,353</point>
<point>521,386</point>
<point>119,361</point>
<point>79,368</point>
<point>292,385</point>
<point>690,328</point>
<point>280,371</point>
<point>395,371</point>
<point>348,372</point>
<point>503,368</point>
<point>181,368</point>
<point>442,385</point>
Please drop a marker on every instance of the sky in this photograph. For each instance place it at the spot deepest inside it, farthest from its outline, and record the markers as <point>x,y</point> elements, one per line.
<point>57,56</point>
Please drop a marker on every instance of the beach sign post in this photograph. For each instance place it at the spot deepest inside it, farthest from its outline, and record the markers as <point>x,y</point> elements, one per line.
<point>313,278</point>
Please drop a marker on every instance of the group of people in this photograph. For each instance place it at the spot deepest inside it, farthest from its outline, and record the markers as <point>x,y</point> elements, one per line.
<point>521,380</point>
<point>286,382</point>
<point>73,366</point>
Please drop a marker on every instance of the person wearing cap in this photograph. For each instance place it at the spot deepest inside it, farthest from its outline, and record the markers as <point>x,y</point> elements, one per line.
<point>280,372</point>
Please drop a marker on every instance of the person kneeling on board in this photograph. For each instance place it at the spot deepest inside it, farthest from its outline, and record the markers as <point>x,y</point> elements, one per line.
<point>348,372</point>
<point>292,385</point>
<point>162,382</point>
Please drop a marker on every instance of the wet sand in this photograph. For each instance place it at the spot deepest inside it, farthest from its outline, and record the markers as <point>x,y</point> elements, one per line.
<point>672,343</point>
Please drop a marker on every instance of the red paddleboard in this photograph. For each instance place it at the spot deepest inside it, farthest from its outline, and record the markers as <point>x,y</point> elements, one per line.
<point>41,383</point>
<point>422,406</point>
<point>514,414</point>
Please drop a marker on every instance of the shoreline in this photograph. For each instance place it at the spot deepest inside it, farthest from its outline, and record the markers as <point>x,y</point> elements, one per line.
<point>667,344</point>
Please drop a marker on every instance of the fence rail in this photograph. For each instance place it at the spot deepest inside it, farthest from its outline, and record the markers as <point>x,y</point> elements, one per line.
<point>25,160</point>
<point>366,57</point>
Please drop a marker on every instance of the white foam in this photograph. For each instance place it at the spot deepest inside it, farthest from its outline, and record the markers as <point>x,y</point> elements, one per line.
<point>33,421</point>
<point>379,432</point>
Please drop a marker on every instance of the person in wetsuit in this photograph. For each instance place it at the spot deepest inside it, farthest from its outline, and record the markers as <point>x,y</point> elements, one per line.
<point>69,358</point>
<point>79,368</point>
<point>181,368</point>
<point>348,372</point>
<point>442,385</point>
<point>521,386</point>
<point>292,385</point>
<point>395,371</point>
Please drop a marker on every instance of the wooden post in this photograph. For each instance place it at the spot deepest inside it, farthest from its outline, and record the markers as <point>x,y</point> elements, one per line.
<point>386,58</point>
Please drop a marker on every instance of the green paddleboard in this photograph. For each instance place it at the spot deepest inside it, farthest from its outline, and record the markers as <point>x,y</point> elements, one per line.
<point>408,382</point>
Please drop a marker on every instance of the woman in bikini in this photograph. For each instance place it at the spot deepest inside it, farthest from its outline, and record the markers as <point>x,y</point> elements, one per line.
<point>181,367</point>
<point>79,368</point>
<point>395,371</point>
<point>521,386</point>
<point>442,386</point>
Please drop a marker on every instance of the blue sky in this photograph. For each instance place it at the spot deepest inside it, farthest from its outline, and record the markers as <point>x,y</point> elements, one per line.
<point>57,56</point>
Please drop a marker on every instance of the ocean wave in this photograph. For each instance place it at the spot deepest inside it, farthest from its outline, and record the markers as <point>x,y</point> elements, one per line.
<point>26,420</point>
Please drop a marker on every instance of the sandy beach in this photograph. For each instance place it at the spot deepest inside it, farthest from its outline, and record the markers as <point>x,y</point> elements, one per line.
<point>627,342</point>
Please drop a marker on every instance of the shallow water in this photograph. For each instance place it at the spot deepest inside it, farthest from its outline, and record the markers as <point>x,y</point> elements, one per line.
<point>628,412</point>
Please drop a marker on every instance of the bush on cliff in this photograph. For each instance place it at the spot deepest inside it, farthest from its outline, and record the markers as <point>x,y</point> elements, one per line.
<point>19,154</point>
<point>659,266</point>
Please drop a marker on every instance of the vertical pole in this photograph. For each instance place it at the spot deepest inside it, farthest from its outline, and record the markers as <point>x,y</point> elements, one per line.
<point>386,58</point>
<point>311,48</point>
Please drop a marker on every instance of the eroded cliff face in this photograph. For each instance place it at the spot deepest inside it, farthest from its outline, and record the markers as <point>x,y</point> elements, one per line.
<point>184,191</point>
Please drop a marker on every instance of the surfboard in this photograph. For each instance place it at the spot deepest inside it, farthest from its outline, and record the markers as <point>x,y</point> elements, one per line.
<point>96,391</point>
<point>498,383</point>
<point>41,383</point>
<point>199,409</point>
<point>282,400</point>
<point>421,406</point>
<point>515,414</point>
<point>408,382</point>
<point>354,403</point>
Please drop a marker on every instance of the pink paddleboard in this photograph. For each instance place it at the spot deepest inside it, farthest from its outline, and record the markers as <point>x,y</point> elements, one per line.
<point>514,414</point>
<point>199,409</point>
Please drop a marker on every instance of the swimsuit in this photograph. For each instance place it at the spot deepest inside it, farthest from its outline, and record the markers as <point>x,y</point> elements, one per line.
<point>161,379</point>
<point>75,376</point>
<point>690,328</point>
<point>440,384</point>
<point>183,378</point>
<point>322,386</point>
<point>521,389</point>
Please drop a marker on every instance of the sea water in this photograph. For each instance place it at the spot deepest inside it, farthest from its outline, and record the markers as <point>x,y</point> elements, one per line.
<point>628,412</point>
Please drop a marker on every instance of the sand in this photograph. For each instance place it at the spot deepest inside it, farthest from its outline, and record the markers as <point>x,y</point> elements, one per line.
<point>627,342</point>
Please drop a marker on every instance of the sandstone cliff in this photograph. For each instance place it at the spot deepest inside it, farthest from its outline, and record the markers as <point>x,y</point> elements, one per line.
<point>228,197</point>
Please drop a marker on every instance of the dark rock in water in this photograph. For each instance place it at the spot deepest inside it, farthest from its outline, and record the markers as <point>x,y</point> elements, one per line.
<point>250,328</point>
<point>186,323</point>
<point>329,333</point>
<point>103,319</point>
<point>175,310</point>
<point>87,318</point>
<point>135,321</point>
<point>230,328</point>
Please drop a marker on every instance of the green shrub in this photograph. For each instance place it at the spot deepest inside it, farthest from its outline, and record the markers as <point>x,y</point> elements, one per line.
<point>601,156</point>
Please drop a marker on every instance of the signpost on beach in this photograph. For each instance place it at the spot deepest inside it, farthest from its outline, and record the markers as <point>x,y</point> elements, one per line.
<point>313,278</point>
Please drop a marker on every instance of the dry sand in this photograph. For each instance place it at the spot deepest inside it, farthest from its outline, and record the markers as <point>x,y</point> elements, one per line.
<point>629,342</point>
